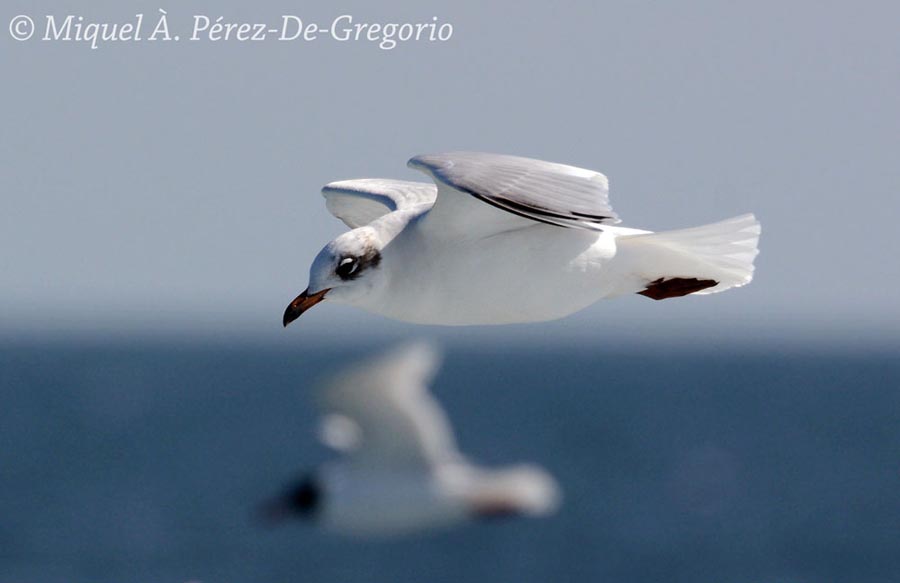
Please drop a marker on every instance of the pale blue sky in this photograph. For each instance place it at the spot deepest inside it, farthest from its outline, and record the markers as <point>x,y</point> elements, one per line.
<point>176,186</point>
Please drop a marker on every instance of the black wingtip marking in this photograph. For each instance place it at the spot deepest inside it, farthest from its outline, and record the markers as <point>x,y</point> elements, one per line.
<point>592,218</point>
<point>548,213</point>
<point>532,213</point>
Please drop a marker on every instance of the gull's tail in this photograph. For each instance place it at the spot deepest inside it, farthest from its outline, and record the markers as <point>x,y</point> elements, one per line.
<point>524,489</point>
<point>699,260</point>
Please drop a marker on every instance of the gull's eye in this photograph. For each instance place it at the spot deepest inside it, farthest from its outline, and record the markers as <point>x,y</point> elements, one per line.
<point>347,267</point>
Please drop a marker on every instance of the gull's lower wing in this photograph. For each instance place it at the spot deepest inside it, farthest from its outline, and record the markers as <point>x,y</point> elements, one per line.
<point>390,419</point>
<point>527,189</point>
<point>359,202</point>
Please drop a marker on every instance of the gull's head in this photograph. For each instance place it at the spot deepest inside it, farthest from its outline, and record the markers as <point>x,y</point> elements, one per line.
<point>301,499</point>
<point>345,270</point>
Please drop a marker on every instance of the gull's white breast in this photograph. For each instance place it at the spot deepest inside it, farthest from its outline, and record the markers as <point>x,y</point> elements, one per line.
<point>537,273</point>
<point>367,501</point>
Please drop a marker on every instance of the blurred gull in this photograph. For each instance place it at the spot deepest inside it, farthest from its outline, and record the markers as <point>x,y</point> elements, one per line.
<point>502,239</point>
<point>401,470</point>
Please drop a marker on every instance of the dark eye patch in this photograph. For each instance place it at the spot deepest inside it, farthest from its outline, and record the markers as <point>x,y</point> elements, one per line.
<point>349,267</point>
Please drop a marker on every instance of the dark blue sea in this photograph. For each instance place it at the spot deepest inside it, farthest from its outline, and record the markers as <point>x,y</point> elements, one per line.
<point>142,461</point>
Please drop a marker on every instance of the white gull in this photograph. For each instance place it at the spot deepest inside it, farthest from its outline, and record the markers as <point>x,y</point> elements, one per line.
<point>401,470</point>
<point>502,239</point>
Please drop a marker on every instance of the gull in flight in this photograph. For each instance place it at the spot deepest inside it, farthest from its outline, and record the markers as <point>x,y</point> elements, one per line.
<point>401,471</point>
<point>501,239</point>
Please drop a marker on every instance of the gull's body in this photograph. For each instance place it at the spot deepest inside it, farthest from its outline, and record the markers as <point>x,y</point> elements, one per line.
<point>474,281</point>
<point>500,239</point>
<point>401,471</point>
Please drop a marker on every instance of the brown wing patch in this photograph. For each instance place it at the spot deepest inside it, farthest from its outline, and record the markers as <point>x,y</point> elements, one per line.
<point>492,508</point>
<point>488,507</point>
<point>675,287</point>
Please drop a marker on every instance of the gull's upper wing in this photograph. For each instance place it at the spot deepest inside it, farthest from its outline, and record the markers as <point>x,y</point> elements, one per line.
<point>535,190</point>
<point>383,416</point>
<point>359,202</point>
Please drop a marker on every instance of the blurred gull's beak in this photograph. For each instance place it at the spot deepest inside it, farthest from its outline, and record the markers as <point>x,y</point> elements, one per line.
<point>273,512</point>
<point>302,303</point>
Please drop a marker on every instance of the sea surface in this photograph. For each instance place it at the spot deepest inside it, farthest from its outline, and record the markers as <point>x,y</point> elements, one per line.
<point>143,461</point>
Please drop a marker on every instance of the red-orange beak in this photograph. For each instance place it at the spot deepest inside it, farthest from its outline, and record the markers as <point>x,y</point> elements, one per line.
<point>302,303</point>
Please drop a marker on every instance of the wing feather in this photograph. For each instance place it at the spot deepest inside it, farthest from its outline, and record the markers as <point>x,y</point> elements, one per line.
<point>398,422</point>
<point>536,190</point>
<point>359,202</point>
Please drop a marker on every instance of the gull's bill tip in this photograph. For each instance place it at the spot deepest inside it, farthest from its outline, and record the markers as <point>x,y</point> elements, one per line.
<point>271,513</point>
<point>302,303</point>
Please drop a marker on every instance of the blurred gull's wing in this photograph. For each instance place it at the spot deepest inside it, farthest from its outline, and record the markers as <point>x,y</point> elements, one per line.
<point>532,190</point>
<point>359,202</point>
<point>383,416</point>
